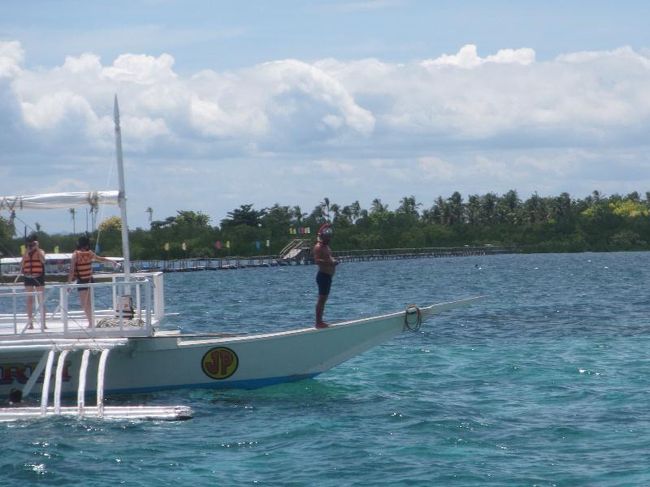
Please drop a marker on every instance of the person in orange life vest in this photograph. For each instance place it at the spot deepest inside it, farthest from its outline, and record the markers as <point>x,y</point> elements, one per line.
<point>33,269</point>
<point>81,269</point>
<point>326,268</point>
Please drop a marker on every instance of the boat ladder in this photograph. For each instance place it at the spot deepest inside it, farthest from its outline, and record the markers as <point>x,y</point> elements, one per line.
<point>81,410</point>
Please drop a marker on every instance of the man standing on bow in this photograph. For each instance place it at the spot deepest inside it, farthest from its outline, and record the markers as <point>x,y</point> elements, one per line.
<point>326,267</point>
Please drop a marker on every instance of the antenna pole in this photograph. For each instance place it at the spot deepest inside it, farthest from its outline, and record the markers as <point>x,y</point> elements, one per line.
<point>122,194</point>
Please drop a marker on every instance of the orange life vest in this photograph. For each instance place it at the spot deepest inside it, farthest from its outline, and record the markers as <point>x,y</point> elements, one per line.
<point>32,265</point>
<point>83,264</point>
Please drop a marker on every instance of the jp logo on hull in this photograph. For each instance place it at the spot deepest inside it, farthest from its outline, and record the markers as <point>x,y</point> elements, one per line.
<point>219,363</point>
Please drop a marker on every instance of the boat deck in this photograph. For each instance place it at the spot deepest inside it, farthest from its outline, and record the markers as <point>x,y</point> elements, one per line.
<point>106,324</point>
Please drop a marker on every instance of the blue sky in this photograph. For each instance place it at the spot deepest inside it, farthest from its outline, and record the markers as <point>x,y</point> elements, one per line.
<point>226,103</point>
<point>234,34</point>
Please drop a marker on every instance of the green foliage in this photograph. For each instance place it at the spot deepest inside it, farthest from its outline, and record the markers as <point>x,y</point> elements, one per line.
<point>244,215</point>
<point>6,233</point>
<point>538,224</point>
<point>188,234</point>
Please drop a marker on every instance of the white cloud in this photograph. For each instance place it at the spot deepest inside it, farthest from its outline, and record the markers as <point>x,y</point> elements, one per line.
<point>218,116</point>
<point>334,167</point>
<point>436,168</point>
<point>289,77</point>
<point>391,170</point>
<point>523,56</point>
<point>141,69</point>
<point>11,57</point>
<point>65,185</point>
<point>50,111</point>
<point>288,104</point>
<point>467,57</point>
<point>489,167</point>
<point>333,121</point>
<point>86,63</point>
<point>144,127</point>
<point>626,54</point>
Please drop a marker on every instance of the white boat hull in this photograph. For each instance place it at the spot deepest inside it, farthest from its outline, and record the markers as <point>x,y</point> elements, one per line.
<point>173,361</point>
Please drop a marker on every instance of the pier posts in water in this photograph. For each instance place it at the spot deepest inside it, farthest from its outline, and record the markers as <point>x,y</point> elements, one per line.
<point>228,263</point>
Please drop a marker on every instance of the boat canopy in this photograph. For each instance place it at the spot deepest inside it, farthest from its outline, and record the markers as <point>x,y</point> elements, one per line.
<point>51,201</point>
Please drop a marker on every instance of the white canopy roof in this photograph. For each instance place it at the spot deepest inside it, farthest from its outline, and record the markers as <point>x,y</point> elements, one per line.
<point>52,201</point>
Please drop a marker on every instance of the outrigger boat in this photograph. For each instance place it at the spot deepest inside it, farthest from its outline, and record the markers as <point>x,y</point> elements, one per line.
<point>124,350</point>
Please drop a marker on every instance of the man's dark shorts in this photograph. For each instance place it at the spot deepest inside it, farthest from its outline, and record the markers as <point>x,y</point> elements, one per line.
<point>324,282</point>
<point>35,281</point>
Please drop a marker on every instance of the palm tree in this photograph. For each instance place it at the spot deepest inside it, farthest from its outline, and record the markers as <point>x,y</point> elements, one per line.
<point>356,211</point>
<point>298,215</point>
<point>488,207</point>
<point>325,208</point>
<point>336,211</point>
<point>378,206</point>
<point>440,211</point>
<point>408,206</point>
<point>455,205</point>
<point>73,214</point>
<point>508,207</point>
<point>474,209</point>
<point>94,210</point>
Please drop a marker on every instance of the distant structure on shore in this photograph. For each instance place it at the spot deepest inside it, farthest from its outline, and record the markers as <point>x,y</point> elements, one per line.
<point>298,252</point>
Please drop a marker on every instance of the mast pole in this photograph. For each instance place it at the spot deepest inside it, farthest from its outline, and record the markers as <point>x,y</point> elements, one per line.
<point>122,194</point>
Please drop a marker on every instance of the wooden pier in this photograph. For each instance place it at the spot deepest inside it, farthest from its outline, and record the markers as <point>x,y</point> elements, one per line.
<point>304,258</point>
<point>416,253</point>
<point>207,264</point>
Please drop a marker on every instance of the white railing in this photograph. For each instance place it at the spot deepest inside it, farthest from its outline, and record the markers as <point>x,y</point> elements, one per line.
<point>117,308</point>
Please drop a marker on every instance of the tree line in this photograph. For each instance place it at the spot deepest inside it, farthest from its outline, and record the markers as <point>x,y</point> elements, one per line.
<point>537,224</point>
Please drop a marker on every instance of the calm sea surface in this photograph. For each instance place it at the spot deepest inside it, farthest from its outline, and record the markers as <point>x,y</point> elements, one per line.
<point>545,382</point>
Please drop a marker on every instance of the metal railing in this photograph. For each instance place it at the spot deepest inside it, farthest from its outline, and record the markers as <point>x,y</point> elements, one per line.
<point>117,307</point>
<point>301,243</point>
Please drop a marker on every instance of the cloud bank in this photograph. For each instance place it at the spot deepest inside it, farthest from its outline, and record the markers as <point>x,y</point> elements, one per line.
<point>587,96</point>
<point>458,121</point>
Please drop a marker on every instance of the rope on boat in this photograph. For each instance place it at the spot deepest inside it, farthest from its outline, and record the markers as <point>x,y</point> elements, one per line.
<point>412,324</point>
<point>115,322</point>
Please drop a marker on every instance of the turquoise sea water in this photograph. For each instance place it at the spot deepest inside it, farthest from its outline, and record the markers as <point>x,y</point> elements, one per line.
<point>545,382</point>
